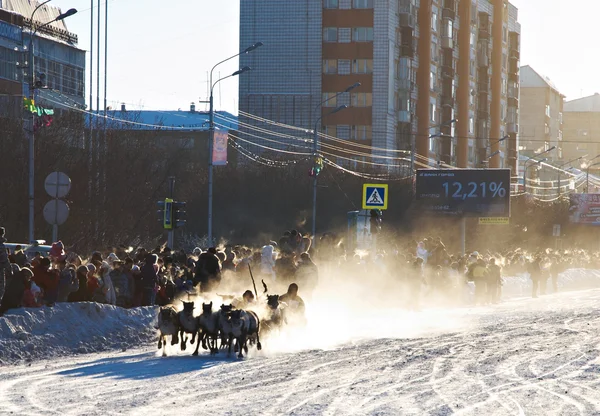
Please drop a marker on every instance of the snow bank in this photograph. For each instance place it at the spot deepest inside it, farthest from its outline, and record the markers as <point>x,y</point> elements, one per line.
<point>72,328</point>
<point>572,279</point>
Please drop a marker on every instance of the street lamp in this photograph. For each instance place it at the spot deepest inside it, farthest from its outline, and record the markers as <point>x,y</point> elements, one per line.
<point>29,128</point>
<point>587,176</point>
<point>316,148</point>
<point>316,154</point>
<point>560,170</point>
<point>537,162</point>
<point>211,118</point>
<point>431,136</point>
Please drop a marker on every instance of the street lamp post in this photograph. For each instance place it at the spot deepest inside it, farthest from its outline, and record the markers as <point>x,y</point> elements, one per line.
<point>560,170</point>
<point>315,180</point>
<point>537,162</point>
<point>30,121</point>
<point>316,150</point>
<point>587,176</point>
<point>431,136</point>
<point>211,119</point>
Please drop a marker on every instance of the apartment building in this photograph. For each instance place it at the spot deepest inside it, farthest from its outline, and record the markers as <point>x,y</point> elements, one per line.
<point>540,116</point>
<point>57,57</point>
<point>409,57</point>
<point>581,130</point>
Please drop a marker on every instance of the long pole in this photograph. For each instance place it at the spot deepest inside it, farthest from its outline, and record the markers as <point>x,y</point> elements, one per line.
<point>30,131</point>
<point>105,60</point>
<point>525,178</point>
<point>463,235</point>
<point>91,109</point>
<point>587,180</point>
<point>314,207</point>
<point>211,120</point>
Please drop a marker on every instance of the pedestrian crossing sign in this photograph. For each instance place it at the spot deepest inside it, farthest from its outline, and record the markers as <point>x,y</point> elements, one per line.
<point>375,196</point>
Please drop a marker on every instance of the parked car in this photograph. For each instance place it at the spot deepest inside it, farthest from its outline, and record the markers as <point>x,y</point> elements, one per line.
<point>31,249</point>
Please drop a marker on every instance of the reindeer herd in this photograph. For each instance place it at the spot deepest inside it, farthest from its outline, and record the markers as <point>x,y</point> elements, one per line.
<point>235,328</point>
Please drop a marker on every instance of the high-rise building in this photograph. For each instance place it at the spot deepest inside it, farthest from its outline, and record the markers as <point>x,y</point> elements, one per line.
<point>410,57</point>
<point>540,116</point>
<point>581,130</point>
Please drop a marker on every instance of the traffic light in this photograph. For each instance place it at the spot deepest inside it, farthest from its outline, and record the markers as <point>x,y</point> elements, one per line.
<point>168,214</point>
<point>317,168</point>
<point>178,214</point>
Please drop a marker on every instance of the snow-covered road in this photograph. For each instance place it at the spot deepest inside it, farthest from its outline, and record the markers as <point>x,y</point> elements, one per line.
<point>523,357</point>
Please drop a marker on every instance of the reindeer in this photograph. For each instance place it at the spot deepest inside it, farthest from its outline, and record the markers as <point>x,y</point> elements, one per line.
<point>275,314</point>
<point>245,326</point>
<point>225,329</point>
<point>190,325</point>
<point>209,324</point>
<point>168,325</point>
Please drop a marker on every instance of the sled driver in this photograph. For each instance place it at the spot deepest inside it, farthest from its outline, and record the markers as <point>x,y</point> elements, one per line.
<point>246,302</point>
<point>294,306</point>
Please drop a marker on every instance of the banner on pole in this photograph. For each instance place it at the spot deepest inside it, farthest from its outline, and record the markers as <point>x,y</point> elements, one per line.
<point>219,156</point>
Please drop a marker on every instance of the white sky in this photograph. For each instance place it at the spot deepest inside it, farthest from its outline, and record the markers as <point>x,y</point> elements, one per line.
<point>160,52</point>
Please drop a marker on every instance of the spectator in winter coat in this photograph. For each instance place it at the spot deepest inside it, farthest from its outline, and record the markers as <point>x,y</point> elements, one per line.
<point>149,280</point>
<point>20,257</point>
<point>5,270</point>
<point>68,282</point>
<point>267,262</point>
<point>307,274</point>
<point>494,281</point>
<point>13,296</point>
<point>82,294</point>
<point>107,285</point>
<point>46,279</point>
<point>208,270</point>
<point>535,273</point>
<point>120,281</point>
<point>31,293</point>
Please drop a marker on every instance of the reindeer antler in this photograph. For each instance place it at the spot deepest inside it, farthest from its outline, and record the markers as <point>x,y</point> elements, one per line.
<point>264,285</point>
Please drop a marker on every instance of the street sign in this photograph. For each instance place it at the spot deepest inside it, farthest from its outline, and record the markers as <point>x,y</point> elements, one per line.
<point>56,212</point>
<point>57,184</point>
<point>464,192</point>
<point>494,221</point>
<point>375,196</point>
<point>556,230</point>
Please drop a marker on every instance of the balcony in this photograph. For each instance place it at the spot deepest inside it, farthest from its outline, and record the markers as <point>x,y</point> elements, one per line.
<point>484,35</point>
<point>514,54</point>
<point>407,51</point>
<point>447,100</point>
<point>404,116</point>
<point>513,102</point>
<point>407,20</point>
<point>512,128</point>
<point>513,67</point>
<point>447,42</point>
<point>483,114</point>
<point>483,60</point>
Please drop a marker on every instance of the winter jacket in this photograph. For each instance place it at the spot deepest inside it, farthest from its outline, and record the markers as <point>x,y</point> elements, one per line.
<point>20,259</point>
<point>149,277</point>
<point>121,283</point>
<point>267,262</point>
<point>13,296</point>
<point>82,294</point>
<point>109,289</point>
<point>47,280</point>
<point>207,268</point>
<point>67,284</point>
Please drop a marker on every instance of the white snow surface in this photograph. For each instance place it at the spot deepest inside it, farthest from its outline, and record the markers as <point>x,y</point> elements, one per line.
<point>522,357</point>
<point>72,328</point>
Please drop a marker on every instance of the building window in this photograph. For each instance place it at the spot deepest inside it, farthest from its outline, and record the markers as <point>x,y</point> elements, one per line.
<point>432,79</point>
<point>434,20</point>
<point>547,110</point>
<point>330,4</point>
<point>344,67</point>
<point>329,100</point>
<point>330,66</point>
<point>360,133</point>
<point>471,125</point>
<point>560,118</point>
<point>362,99</point>
<point>362,4</point>
<point>362,34</point>
<point>330,34</point>
<point>362,66</point>
<point>448,29</point>
<point>504,61</point>
<point>432,111</point>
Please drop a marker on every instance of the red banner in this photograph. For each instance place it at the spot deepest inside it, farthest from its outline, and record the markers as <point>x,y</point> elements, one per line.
<point>585,209</point>
<point>219,155</point>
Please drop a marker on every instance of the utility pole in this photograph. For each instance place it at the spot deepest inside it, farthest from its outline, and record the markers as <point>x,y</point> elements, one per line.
<point>171,234</point>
